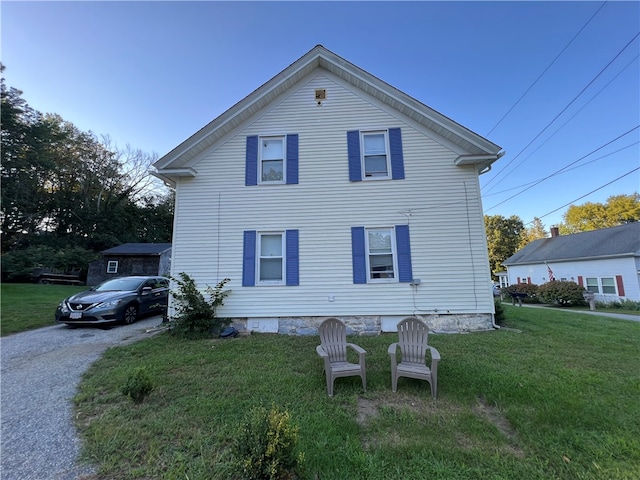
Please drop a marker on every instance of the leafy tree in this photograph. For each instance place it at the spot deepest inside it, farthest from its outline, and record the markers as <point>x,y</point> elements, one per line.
<point>535,232</point>
<point>62,187</point>
<point>504,236</point>
<point>22,170</point>
<point>617,210</point>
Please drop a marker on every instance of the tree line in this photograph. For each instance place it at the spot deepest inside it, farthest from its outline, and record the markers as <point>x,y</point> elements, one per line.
<point>505,236</point>
<point>67,195</point>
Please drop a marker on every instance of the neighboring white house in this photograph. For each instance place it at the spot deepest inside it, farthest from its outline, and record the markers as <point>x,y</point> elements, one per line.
<point>327,192</point>
<point>605,262</point>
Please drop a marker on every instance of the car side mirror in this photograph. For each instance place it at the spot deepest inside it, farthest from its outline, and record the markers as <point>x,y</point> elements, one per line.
<point>146,290</point>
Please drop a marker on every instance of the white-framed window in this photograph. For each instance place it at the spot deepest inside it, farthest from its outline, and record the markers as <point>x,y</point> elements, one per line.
<point>112,266</point>
<point>592,284</point>
<point>271,159</point>
<point>601,285</point>
<point>271,258</point>
<point>375,155</point>
<point>381,254</point>
<point>608,285</point>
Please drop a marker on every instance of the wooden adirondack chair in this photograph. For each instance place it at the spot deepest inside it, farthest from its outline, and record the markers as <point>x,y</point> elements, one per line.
<point>413,335</point>
<point>333,350</point>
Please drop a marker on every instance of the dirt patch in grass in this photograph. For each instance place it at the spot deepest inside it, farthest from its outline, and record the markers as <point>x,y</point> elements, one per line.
<point>496,418</point>
<point>370,408</point>
<point>366,410</point>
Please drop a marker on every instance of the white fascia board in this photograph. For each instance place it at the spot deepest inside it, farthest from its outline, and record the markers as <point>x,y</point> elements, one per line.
<point>168,175</point>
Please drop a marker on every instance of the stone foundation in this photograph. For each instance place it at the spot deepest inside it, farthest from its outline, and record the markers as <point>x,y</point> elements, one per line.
<point>366,324</point>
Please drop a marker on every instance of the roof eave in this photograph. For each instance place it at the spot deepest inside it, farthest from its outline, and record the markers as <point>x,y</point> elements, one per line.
<point>170,175</point>
<point>320,57</point>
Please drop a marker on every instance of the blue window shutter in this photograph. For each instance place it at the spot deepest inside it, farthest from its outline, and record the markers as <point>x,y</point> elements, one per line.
<point>353,150</point>
<point>292,159</point>
<point>403,246</point>
<point>293,258</point>
<point>359,255</point>
<point>251,167</point>
<point>397,160</point>
<point>249,259</point>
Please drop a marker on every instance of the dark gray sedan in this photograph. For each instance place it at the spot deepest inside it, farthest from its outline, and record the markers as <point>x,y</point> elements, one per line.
<point>123,299</point>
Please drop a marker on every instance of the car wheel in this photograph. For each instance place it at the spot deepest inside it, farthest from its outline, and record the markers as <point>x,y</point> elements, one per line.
<point>130,314</point>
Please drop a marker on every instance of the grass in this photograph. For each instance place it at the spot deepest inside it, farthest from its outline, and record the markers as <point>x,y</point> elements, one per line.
<point>553,396</point>
<point>26,306</point>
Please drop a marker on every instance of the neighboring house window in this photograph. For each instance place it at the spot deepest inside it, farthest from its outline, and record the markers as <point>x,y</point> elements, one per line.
<point>601,285</point>
<point>381,254</point>
<point>375,155</point>
<point>112,266</point>
<point>592,285</point>
<point>270,258</point>
<point>608,285</point>
<point>272,159</point>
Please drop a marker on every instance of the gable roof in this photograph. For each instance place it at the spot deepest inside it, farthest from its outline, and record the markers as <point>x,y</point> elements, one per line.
<point>138,249</point>
<point>623,240</point>
<point>475,149</point>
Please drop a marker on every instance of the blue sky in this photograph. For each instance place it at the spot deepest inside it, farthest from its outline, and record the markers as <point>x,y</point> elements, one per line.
<point>150,74</point>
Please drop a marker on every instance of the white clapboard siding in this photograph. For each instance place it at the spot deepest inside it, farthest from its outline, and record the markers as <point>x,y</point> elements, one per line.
<point>438,200</point>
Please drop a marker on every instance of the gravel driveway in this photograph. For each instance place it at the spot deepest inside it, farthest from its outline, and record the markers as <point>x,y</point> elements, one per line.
<point>41,370</point>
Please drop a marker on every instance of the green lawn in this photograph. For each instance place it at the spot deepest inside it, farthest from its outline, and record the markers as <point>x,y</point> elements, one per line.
<point>26,305</point>
<point>553,396</point>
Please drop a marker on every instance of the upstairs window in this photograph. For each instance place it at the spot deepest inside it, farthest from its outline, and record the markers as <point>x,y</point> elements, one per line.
<point>271,159</point>
<point>375,155</point>
<point>272,164</point>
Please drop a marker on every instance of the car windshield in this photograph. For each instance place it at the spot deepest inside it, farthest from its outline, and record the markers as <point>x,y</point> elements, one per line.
<point>121,284</point>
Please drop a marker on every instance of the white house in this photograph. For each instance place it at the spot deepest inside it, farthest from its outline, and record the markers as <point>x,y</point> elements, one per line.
<point>605,262</point>
<point>327,192</point>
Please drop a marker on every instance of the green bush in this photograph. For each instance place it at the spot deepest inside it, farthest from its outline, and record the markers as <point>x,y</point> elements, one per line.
<point>194,316</point>
<point>266,446</point>
<point>138,385</point>
<point>562,293</point>
<point>530,289</point>
<point>620,305</point>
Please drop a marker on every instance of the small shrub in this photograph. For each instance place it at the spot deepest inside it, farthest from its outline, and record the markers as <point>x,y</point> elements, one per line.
<point>195,316</point>
<point>530,289</point>
<point>620,305</point>
<point>266,446</point>
<point>562,293</point>
<point>138,385</point>
<point>499,315</point>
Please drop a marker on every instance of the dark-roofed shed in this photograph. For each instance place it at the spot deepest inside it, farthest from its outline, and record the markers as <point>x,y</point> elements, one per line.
<point>131,259</point>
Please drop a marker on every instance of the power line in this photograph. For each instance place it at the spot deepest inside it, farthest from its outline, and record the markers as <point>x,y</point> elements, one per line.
<point>563,110</point>
<point>587,194</point>
<point>565,167</point>
<point>565,171</point>
<point>545,70</point>
<point>577,111</point>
